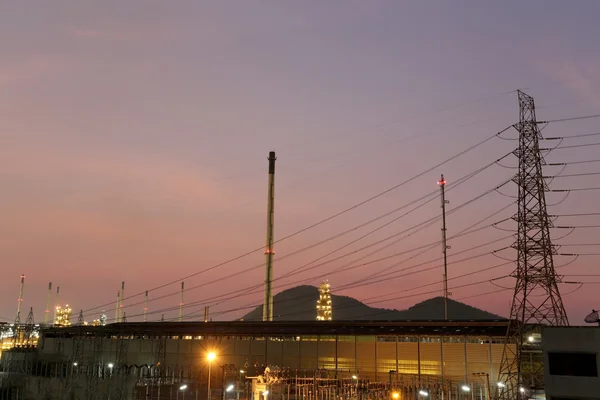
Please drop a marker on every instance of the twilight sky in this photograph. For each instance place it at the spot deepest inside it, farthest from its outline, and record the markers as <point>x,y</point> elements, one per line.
<point>134,138</point>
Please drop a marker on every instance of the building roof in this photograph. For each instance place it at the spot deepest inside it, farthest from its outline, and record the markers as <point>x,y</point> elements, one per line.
<point>290,328</point>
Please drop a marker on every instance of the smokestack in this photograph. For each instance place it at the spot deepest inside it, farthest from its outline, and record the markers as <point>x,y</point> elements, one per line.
<point>117,306</point>
<point>121,303</point>
<point>20,300</point>
<point>205,313</point>
<point>47,313</point>
<point>146,307</point>
<point>57,302</point>
<point>181,304</point>
<point>269,252</point>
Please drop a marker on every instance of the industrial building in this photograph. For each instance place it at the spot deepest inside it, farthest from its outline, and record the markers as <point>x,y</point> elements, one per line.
<point>571,360</point>
<point>158,360</point>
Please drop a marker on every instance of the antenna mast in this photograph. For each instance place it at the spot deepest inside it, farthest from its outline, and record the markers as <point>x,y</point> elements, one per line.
<point>268,301</point>
<point>445,247</point>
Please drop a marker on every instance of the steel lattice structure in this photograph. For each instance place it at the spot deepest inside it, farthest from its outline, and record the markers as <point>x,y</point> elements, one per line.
<point>536,299</point>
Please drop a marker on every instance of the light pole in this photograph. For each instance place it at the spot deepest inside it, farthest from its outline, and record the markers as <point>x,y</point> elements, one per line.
<point>210,357</point>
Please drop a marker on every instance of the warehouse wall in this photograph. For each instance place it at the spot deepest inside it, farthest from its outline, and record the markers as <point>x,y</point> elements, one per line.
<point>372,357</point>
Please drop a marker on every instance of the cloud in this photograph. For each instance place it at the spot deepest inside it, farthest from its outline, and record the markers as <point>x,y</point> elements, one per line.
<point>103,195</point>
<point>580,78</point>
<point>134,33</point>
<point>24,70</point>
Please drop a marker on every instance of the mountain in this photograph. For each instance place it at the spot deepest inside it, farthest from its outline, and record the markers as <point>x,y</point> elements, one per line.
<point>299,304</point>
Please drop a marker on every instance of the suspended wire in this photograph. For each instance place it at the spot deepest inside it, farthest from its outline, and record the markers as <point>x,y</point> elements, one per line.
<point>298,232</point>
<point>572,136</point>
<point>572,162</point>
<point>560,201</point>
<point>570,119</point>
<point>344,268</point>
<point>173,308</point>
<point>468,230</point>
<point>575,227</point>
<point>579,244</point>
<point>573,189</point>
<point>575,215</point>
<point>391,299</point>
<point>364,300</point>
<point>484,294</point>
<point>424,224</point>
<point>572,175</point>
<point>573,146</point>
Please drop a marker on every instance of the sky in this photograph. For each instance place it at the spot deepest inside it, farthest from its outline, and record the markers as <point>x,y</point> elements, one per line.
<point>135,135</point>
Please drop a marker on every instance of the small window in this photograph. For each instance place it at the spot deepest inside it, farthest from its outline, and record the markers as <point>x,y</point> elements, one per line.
<point>573,364</point>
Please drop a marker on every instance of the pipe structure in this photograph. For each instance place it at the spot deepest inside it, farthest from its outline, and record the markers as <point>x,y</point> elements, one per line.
<point>57,303</point>
<point>269,252</point>
<point>445,247</point>
<point>146,307</point>
<point>20,299</point>
<point>181,304</point>
<point>117,306</point>
<point>121,302</point>
<point>47,312</point>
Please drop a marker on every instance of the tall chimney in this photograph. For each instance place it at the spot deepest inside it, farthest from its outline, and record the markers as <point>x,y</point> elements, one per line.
<point>20,299</point>
<point>269,252</point>
<point>121,302</point>
<point>146,307</point>
<point>57,303</point>
<point>181,304</point>
<point>47,313</point>
<point>117,306</point>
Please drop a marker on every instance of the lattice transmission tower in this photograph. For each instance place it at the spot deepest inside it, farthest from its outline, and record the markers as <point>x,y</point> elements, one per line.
<point>536,299</point>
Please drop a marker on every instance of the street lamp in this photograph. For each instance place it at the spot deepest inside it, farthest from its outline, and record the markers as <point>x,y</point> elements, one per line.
<point>465,388</point>
<point>423,393</point>
<point>210,357</point>
<point>182,388</point>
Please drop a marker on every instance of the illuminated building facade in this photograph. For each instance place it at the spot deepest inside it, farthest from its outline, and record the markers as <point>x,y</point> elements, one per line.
<point>63,316</point>
<point>324,303</point>
<point>432,356</point>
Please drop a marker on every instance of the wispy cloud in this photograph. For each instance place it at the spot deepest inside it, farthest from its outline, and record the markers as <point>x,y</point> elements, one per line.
<point>581,78</point>
<point>103,192</point>
<point>24,70</point>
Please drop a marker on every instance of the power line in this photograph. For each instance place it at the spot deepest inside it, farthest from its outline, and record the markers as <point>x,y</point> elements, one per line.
<point>298,232</point>
<point>572,136</point>
<point>573,146</point>
<point>575,215</point>
<point>572,175</point>
<point>460,181</point>
<point>571,162</point>
<point>468,230</point>
<point>350,265</point>
<point>569,119</point>
<point>415,266</point>
<point>573,189</point>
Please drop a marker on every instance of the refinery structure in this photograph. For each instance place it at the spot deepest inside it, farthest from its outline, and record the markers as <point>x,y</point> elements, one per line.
<point>322,359</point>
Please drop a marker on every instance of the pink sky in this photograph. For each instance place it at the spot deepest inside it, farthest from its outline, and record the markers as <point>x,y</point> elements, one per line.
<point>134,143</point>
